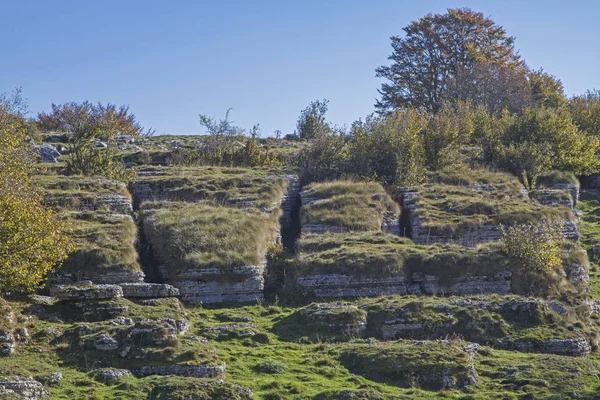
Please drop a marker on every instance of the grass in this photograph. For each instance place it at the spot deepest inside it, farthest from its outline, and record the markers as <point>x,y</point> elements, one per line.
<point>558,177</point>
<point>454,210</point>
<point>185,236</point>
<point>104,242</point>
<point>355,206</point>
<point>314,370</point>
<point>262,187</point>
<point>589,206</point>
<point>377,254</point>
<point>411,364</point>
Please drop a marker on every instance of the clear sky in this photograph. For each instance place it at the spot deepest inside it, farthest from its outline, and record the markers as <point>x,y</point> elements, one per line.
<point>170,60</point>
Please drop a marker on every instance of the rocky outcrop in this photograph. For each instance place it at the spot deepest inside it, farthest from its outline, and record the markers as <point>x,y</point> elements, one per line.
<point>391,223</point>
<point>478,234</point>
<point>341,319</point>
<point>193,371</point>
<point>23,388</point>
<point>341,285</point>
<point>109,375</point>
<point>212,285</point>
<point>577,346</point>
<point>86,292</point>
<point>562,194</point>
<point>7,344</point>
<point>48,153</point>
<point>577,274</point>
<point>148,290</point>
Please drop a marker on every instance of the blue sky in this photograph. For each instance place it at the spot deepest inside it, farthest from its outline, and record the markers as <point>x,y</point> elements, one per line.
<point>170,60</point>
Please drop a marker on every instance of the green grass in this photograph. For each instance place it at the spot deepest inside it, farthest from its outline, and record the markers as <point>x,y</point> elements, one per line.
<point>558,177</point>
<point>313,370</point>
<point>104,242</point>
<point>355,206</point>
<point>590,236</point>
<point>454,210</point>
<point>186,236</point>
<point>219,184</point>
<point>378,254</point>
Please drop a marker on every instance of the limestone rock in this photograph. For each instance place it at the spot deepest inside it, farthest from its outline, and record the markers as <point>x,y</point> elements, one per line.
<point>576,346</point>
<point>109,375</point>
<point>341,285</point>
<point>193,371</point>
<point>26,388</point>
<point>205,285</point>
<point>148,290</point>
<point>47,152</point>
<point>86,292</point>
<point>106,343</point>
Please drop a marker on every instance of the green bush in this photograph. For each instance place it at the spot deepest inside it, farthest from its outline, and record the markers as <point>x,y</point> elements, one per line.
<point>271,367</point>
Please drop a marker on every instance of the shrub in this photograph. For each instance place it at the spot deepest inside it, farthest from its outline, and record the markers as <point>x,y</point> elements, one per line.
<point>271,367</point>
<point>33,239</point>
<point>536,251</point>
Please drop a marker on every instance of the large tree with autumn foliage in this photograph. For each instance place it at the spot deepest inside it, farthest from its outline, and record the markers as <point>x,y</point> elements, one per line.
<point>427,58</point>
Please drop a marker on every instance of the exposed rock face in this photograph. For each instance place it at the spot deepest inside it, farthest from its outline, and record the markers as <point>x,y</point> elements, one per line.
<point>87,292</point>
<point>151,290</point>
<point>107,277</point>
<point>480,234</point>
<point>212,285</point>
<point>26,388</point>
<point>562,194</point>
<point>577,346</point>
<point>47,152</point>
<point>339,285</point>
<point>391,223</point>
<point>7,344</point>
<point>193,371</point>
<point>577,274</point>
<point>108,375</point>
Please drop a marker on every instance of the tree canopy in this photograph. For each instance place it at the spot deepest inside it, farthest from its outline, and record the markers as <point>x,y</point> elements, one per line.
<point>433,50</point>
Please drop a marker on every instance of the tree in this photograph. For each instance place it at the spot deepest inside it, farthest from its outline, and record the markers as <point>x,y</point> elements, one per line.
<point>389,148</point>
<point>536,252</point>
<point>491,85</point>
<point>431,52</point>
<point>311,122</point>
<point>32,238</point>
<point>540,140</point>
<point>585,110</point>
<point>546,90</point>
<point>448,129</point>
<point>86,125</point>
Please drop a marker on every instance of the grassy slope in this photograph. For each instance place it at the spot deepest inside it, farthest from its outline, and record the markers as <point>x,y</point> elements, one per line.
<point>219,184</point>
<point>311,369</point>
<point>104,241</point>
<point>356,206</point>
<point>185,236</point>
<point>456,201</point>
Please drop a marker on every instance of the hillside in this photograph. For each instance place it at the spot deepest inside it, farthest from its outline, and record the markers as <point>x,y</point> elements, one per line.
<point>214,282</point>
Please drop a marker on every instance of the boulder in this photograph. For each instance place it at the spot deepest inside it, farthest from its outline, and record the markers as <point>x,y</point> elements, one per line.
<point>47,152</point>
<point>26,388</point>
